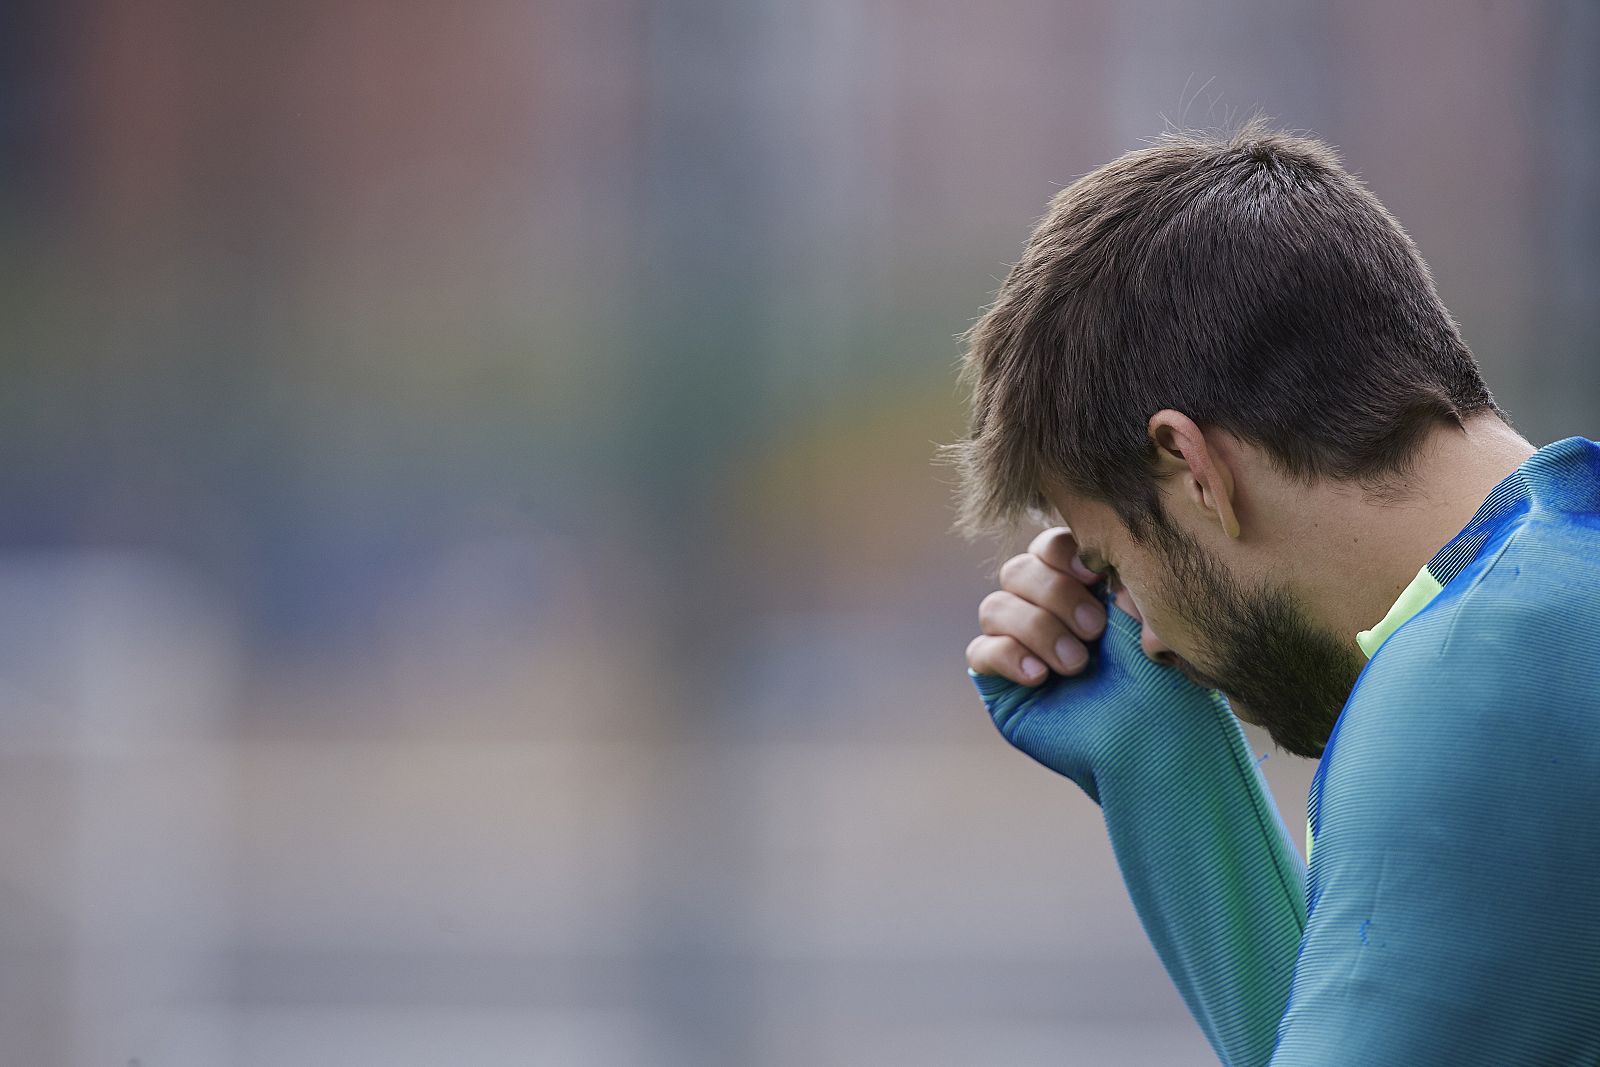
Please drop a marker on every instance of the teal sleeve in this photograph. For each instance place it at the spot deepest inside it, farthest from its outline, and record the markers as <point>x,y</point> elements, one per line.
<point>1209,866</point>
<point>1452,887</point>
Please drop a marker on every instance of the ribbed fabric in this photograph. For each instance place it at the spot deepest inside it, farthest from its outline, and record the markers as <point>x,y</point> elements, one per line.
<point>1451,890</point>
<point>1207,860</point>
<point>1448,914</point>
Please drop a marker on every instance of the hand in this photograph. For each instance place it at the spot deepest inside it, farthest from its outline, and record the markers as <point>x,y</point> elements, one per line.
<point>1114,710</point>
<point>1043,615</point>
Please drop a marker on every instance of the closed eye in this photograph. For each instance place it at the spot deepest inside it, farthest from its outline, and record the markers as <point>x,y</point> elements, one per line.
<point>1103,570</point>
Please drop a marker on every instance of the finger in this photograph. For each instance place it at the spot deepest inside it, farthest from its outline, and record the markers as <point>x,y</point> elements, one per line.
<point>1004,614</point>
<point>1055,546</point>
<point>1006,657</point>
<point>1059,548</point>
<point>1042,541</point>
<point>1059,593</point>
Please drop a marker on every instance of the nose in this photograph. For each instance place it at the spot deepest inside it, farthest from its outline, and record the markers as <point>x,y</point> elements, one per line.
<point>1154,649</point>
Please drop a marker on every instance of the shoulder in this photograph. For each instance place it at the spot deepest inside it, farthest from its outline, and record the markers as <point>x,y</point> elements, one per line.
<point>1455,832</point>
<point>1501,670</point>
<point>1525,614</point>
<point>1455,837</point>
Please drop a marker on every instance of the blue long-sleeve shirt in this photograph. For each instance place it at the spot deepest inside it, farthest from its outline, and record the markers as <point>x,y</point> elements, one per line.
<point>1455,815</point>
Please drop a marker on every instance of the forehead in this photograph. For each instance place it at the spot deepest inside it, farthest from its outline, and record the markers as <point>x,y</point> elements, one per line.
<point>1095,525</point>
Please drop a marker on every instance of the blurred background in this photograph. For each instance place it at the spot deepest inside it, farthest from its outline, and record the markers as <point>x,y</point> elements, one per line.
<point>474,583</point>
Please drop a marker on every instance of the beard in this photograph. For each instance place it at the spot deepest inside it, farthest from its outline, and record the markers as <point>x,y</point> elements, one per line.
<point>1278,669</point>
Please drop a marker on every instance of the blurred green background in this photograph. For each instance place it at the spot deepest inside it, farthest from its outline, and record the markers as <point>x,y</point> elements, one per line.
<point>474,583</point>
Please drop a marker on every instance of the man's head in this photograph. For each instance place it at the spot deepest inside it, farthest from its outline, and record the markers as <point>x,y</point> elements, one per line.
<point>1241,294</point>
<point>1215,582</point>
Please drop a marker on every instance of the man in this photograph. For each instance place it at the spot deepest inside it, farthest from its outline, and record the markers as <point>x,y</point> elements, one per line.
<point>1223,366</point>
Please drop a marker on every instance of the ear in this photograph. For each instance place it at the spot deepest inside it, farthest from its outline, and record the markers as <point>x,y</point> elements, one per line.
<point>1202,474</point>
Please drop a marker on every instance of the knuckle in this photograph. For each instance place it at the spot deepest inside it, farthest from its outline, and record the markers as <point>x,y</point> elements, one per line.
<point>1062,553</point>
<point>1043,540</point>
<point>975,652</point>
<point>1060,585</point>
<point>1043,629</point>
<point>989,607</point>
<point>1058,593</point>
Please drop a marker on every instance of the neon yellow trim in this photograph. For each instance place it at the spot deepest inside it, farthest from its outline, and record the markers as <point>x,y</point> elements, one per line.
<point>1413,598</point>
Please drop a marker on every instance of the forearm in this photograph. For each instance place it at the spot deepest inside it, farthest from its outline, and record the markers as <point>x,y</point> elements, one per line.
<point>1208,863</point>
<point>1214,877</point>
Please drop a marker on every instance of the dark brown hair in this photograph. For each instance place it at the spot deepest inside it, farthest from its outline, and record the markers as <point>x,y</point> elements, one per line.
<point>1245,279</point>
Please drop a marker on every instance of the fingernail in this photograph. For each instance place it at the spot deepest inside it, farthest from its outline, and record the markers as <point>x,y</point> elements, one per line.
<point>1070,653</point>
<point>1089,620</point>
<point>1031,667</point>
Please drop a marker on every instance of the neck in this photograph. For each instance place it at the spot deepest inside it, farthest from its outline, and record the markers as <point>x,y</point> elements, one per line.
<point>1373,542</point>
